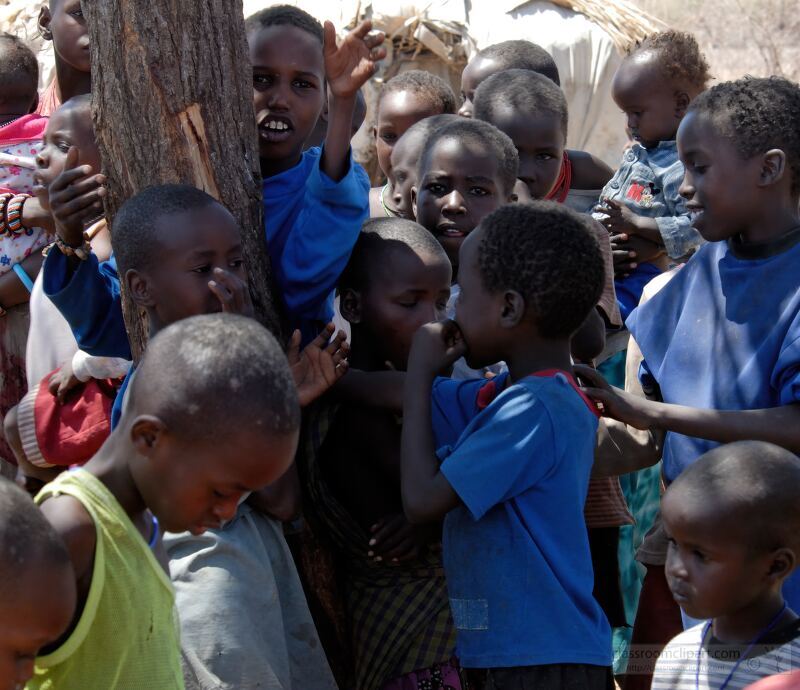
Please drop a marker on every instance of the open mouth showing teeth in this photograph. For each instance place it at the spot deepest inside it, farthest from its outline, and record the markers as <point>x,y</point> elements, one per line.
<point>275,125</point>
<point>452,232</point>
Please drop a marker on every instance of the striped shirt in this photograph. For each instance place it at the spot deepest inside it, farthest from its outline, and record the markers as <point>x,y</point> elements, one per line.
<point>647,182</point>
<point>677,666</point>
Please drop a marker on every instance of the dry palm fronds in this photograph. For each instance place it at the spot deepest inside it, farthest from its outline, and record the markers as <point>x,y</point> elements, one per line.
<point>621,20</point>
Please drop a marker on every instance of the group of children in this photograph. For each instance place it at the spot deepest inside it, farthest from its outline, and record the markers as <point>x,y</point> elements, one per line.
<point>431,502</point>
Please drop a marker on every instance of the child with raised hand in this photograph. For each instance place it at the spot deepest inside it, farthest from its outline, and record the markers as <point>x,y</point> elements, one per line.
<point>405,160</point>
<point>581,176</point>
<point>398,279</point>
<point>62,22</point>
<point>499,460</point>
<point>158,471</point>
<point>733,523</point>
<point>314,201</point>
<point>404,100</point>
<point>641,206</point>
<point>54,425</point>
<point>719,340</point>
<point>38,597</point>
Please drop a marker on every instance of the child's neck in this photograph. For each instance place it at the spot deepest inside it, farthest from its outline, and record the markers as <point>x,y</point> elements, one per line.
<point>364,357</point>
<point>773,221</point>
<point>70,82</point>
<point>275,166</point>
<point>109,465</point>
<point>530,355</point>
<point>744,626</point>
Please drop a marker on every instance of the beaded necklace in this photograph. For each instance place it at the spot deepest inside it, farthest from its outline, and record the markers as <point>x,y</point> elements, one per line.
<point>747,651</point>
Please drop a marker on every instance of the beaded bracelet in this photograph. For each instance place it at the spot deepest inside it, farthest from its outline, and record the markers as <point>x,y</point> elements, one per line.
<point>14,214</point>
<point>5,198</point>
<point>82,252</point>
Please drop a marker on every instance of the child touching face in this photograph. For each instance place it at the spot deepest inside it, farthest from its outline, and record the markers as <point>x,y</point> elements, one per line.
<point>161,470</point>
<point>499,460</point>
<point>733,521</point>
<point>62,22</point>
<point>405,160</point>
<point>467,170</point>
<point>37,599</point>
<point>404,100</point>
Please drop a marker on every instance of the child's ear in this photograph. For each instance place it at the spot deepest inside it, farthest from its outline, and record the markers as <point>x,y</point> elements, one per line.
<point>782,562</point>
<point>773,167</point>
<point>350,305</point>
<point>682,101</point>
<point>139,289</point>
<point>146,432</point>
<point>513,309</point>
<point>414,200</point>
<point>44,23</point>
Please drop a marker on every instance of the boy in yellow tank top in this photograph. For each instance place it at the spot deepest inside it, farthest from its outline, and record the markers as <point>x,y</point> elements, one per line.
<point>181,458</point>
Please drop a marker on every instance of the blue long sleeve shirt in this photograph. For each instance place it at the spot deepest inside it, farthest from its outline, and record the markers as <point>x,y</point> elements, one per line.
<point>312,224</point>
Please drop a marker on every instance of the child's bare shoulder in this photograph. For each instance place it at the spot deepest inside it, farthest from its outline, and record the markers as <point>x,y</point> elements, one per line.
<point>75,526</point>
<point>588,172</point>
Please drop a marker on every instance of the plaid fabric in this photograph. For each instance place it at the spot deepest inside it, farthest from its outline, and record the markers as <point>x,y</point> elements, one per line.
<point>399,615</point>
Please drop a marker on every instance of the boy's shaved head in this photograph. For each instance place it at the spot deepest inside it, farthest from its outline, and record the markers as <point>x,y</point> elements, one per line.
<point>432,89</point>
<point>135,233</point>
<point>749,484</point>
<point>477,134</point>
<point>27,539</point>
<point>522,90</point>
<point>217,368</point>
<point>284,15</point>
<point>378,237</point>
<point>521,54</point>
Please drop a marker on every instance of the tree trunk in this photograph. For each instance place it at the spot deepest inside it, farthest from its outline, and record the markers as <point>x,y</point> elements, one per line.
<point>173,103</point>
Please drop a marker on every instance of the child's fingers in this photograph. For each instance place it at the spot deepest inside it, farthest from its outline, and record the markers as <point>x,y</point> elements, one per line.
<point>69,177</point>
<point>65,209</point>
<point>361,30</point>
<point>591,375</point>
<point>329,39</point>
<point>337,342</point>
<point>321,341</point>
<point>293,351</point>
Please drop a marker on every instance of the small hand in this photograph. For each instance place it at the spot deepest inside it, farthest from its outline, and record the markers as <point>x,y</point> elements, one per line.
<point>628,251</point>
<point>619,218</point>
<point>350,65</point>
<point>319,365</point>
<point>436,346</point>
<point>232,293</point>
<point>617,404</point>
<point>394,540</point>
<point>63,381</point>
<point>75,197</point>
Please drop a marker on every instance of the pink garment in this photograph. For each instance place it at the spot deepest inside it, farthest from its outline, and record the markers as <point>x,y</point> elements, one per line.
<point>441,677</point>
<point>20,142</point>
<point>49,100</point>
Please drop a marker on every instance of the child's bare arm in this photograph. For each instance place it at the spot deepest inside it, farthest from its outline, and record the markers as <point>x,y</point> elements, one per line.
<point>12,290</point>
<point>381,389</point>
<point>347,68</point>
<point>427,495</point>
<point>778,425</point>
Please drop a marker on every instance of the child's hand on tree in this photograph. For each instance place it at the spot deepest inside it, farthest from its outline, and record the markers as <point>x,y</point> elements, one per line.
<point>395,541</point>
<point>625,407</point>
<point>75,197</point>
<point>349,65</point>
<point>436,346</point>
<point>232,293</point>
<point>319,365</point>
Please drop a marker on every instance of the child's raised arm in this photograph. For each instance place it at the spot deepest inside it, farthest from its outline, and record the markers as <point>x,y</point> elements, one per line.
<point>347,68</point>
<point>778,425</point>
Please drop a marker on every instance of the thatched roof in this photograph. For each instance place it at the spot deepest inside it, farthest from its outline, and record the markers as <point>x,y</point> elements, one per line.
<point>621,20</point>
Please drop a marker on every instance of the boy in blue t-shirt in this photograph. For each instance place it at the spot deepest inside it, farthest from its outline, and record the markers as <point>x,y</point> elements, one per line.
<point>507,462</point>
<point>721,341</point>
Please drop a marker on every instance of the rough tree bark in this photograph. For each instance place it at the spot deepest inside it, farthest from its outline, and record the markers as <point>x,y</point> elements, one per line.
<point>172,102</point>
